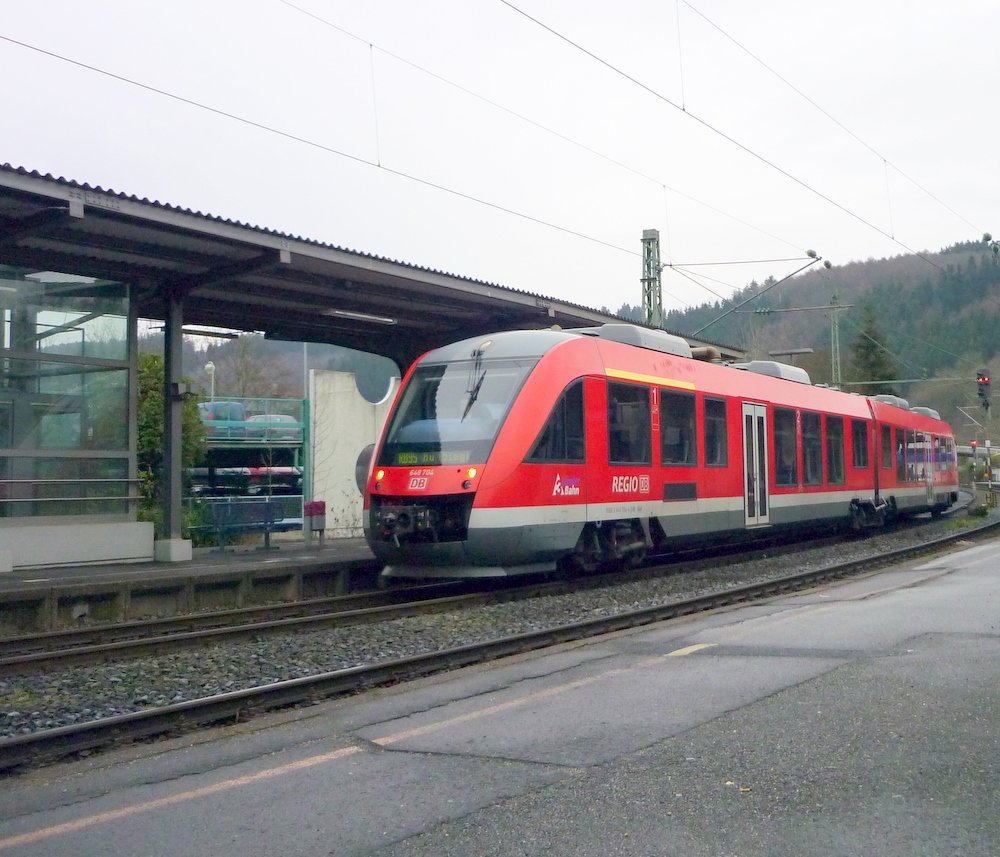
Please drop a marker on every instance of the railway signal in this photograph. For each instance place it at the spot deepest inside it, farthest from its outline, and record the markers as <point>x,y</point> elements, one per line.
<point>983,381</point>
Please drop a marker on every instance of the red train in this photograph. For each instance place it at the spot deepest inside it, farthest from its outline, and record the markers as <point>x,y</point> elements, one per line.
<point>524,450</point>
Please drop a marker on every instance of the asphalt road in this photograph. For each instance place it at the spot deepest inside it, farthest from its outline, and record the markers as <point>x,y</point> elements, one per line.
<point>858,719</point>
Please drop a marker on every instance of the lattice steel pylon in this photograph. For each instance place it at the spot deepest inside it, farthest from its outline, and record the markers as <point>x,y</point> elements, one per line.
<point>835,342</point>
<point>652,289</point>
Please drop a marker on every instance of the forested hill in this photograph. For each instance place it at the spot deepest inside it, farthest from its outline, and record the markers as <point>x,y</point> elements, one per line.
<point>936,316</point>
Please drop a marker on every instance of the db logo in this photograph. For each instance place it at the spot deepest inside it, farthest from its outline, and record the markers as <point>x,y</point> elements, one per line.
<point>418,483</point>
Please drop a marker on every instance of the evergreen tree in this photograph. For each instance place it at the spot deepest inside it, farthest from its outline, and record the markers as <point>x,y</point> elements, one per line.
<point>870,359</point>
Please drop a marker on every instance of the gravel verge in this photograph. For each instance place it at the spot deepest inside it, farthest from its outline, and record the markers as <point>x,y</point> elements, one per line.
<point>35,702</point>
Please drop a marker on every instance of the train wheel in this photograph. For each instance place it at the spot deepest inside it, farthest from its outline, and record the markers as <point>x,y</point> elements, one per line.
<point>633,559</point>
<point>587,556</point>
<point>636,554</point>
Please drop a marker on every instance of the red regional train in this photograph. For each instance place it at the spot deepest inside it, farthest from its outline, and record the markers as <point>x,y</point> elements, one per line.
<point>526,450</point>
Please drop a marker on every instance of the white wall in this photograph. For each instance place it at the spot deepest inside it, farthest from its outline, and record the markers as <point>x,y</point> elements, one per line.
<point>342,423</point>
<point>46,544</point>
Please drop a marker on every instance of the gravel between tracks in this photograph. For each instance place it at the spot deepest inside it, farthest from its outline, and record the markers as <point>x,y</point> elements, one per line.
<point>35,702</point>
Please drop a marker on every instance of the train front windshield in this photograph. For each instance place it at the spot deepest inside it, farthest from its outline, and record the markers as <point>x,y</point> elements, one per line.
<point>451,413</point>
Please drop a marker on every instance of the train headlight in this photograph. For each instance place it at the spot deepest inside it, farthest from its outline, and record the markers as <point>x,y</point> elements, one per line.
<point>379,475</point>
<point>471,473</point>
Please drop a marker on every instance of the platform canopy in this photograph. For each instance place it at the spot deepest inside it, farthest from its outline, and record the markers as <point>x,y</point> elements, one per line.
<point>232,275</point>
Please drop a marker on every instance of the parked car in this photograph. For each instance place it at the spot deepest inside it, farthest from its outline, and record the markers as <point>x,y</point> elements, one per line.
<point>274,427</point>
<point>223,420</point>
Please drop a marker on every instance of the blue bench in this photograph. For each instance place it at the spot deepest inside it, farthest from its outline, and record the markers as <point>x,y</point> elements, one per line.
<point>241,515</point>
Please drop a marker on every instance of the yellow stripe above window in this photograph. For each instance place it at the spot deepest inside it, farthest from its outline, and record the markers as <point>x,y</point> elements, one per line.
<point>648,379</point>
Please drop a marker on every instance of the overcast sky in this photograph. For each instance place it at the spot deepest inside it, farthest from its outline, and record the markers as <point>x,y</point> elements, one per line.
<point>529,143</point>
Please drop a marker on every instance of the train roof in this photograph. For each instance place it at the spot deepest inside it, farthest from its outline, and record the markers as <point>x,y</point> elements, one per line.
<point>533,344</point>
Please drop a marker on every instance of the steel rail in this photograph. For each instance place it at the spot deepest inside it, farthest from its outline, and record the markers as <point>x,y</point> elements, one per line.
<point>52,744</point>
<point>94,635</point>
<point>56,649</point>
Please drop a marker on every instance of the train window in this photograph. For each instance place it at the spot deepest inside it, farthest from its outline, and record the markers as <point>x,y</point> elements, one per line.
<point>629,434</point>
<point>562,439</point>
<point>678,435</point>
<point>920,451</point>
<point>812,450</point>
<point>859,443</point>
<point>786,470</point>
<point>451,413</point>
<point>939,463</point>
<point>886,447</point>
<point>835,450</point>
<point>716,441</point>
<point>908,466</point>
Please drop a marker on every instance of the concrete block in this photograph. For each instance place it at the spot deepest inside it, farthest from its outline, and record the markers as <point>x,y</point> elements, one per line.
<point>172,550</point>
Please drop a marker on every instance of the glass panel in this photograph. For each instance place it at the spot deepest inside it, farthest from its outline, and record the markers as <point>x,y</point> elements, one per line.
<point>62,314</point>
<point>762,465</point>
<point>562,437</point>
<point>812,450</point>
<point>629,432</point>
<point>835,450</point>
<point>859,443</point>
<point>678,435</point>
<point>47,405</point>
<point>63,486</point>
<point>910,464</point>
<point>749,454</point>
<point>716,439</point>
<point>886,447</point>
<point>785,464</point>
<point>450,414</point>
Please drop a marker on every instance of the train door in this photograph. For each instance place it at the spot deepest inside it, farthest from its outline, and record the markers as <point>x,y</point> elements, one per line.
<point>757,503</point>
<point>930,462</point>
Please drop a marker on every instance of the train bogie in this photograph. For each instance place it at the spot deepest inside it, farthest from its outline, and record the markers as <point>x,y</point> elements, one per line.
<point>528,450</point>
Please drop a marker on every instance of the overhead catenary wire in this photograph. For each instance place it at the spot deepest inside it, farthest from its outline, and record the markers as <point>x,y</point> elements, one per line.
<point>411,177</point>
<point>719,132</point>
<point>546,129</point>
<point>885,161</point>
<point>297,138</point>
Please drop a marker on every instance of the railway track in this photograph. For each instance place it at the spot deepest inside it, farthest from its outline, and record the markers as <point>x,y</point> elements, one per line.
<point>54,650</point>
<point>237,705</point>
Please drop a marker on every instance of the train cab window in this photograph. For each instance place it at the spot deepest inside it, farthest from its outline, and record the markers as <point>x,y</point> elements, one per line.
<point>786,471</point>
<point>678,435</point>
<point>629,434</point>
<point>859,443</point>
<point>562,437</point>
<point>835,450</point>
<point>886,444</point>
<point>812,450</point>
<point>716,440</point>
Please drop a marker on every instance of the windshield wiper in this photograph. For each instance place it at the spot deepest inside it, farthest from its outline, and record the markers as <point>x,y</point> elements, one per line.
<point>479,375</point>
<point>473,395</point>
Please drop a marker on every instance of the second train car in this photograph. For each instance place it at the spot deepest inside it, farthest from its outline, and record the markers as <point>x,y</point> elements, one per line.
<point>524,450</point>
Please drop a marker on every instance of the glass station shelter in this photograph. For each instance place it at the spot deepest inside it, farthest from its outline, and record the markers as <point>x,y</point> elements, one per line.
<point>67,473</point>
